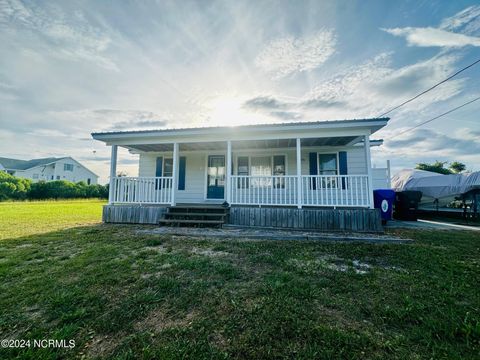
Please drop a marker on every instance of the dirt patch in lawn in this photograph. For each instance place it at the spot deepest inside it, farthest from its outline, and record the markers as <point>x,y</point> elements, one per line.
<point>159,319</point>
<point>208,252</point>
<point>101,346</point>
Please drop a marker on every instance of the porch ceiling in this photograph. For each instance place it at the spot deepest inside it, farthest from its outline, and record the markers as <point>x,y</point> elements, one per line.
<point>249,144</point>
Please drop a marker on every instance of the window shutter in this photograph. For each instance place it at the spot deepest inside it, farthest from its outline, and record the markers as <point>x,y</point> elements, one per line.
<point>313,169</point>
<point>342,166</point>
<point>159,169</point>
<point>181,173</point>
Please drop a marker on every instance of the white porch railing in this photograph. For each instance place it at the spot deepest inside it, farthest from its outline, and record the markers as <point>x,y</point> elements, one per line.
<point>338,190</point>
<point>142,190</point>
<point>263,190</point>
<point>317,190</point>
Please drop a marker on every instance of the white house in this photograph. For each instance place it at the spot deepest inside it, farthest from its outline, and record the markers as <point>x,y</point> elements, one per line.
<point>49,169</point>
<point>323,165</point>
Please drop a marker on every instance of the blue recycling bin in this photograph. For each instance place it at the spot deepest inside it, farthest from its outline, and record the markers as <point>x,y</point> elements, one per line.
<point>383,199</point>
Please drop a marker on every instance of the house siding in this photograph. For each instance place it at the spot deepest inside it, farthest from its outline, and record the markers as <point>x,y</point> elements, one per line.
<point>196,162</point>
<point>51,171</point>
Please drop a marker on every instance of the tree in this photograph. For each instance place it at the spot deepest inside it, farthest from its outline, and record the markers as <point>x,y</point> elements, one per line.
<point>436,167</point>
<point>457,167</point>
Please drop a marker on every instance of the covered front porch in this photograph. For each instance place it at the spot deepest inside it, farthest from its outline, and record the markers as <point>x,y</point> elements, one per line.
<point>332,171</point>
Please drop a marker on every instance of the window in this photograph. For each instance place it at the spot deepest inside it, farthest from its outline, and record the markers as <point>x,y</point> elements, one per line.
<point>328,165</point>
<point>67,167</point>
<point>263,167</point>
<point>89,181</point>
<point>279,170</point>
<point>168,167</point>
<point>35,176</point>
<point>51,178</point>
<point>242,169</point>
<point>58,177</point>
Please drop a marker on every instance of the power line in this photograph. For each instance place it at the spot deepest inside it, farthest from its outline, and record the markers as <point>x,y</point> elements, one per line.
<point>435,118</point>
<point>429,89</point>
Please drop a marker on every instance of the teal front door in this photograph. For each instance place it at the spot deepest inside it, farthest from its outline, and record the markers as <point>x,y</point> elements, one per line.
<point>216,177</point>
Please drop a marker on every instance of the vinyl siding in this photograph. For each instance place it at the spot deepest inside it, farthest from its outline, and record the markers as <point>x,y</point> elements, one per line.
<point>195,174</point>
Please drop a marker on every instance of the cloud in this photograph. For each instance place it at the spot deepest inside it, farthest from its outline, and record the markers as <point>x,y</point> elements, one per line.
<point>453,32</point>
<point>467,21</point>
<point>265,102</point>
<point>144,124</point>
<point>289,55</point>
<point>66,36</point>
<point>433,143</point>
<point>367,89</point>
<point>432,37</point>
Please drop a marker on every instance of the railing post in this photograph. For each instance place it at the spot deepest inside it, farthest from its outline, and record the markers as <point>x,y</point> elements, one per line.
<point>369,170</point>
<point>299,174</point>
<point>229,171</point>
<point>113,174</point>
<point>174,172</point>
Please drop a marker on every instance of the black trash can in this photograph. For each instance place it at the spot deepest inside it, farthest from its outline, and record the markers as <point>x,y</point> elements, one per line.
<point>406,205</point>
<point>383,199</point>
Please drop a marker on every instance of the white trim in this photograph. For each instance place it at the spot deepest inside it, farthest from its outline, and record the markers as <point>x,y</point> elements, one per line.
<point>205,185</point>
<point>131,139</point>
<point>299,173</point>
<point>232,132</point>
<point>174,172</point>
<point>369,170</point>
<point>327,153</point>
<point>113,173</point>
<point>229,171</point>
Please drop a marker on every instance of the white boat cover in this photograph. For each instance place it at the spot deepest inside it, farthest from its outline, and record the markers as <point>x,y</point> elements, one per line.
<point>436,186</point>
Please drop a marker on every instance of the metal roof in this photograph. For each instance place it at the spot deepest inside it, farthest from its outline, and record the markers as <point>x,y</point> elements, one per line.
<point>239,127</point>
<point>16,164</point>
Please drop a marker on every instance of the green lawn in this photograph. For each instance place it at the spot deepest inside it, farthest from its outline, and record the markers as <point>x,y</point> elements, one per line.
<point>28,218</point>
<point>122,294</point>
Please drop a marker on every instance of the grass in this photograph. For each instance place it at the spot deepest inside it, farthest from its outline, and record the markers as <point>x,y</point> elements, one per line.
<point>35,217</point>
<point>120,293</point>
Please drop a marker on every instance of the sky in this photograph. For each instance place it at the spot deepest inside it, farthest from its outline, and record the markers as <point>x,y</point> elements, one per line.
<point>70,68</point>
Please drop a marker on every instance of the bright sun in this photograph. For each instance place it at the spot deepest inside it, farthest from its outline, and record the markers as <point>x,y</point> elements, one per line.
<point>229,111</point>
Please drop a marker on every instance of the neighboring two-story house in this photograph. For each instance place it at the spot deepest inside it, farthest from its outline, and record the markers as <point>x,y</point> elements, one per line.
<point>49,169</point>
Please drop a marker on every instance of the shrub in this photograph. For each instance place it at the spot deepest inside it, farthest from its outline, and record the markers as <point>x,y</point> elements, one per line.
<point>12,187</point>
<point>62,189</point>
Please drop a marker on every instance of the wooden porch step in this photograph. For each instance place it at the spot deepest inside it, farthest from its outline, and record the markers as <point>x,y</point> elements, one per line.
<point>207,214</point>
<point>195,215</point>
<point>190,221</point>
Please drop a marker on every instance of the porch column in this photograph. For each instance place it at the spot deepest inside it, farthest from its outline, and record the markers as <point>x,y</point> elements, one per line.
<point>229,171</point>
<point>113,174</point>
<point>299,174</point>
<point>174,173</point>
<point>369,170</point>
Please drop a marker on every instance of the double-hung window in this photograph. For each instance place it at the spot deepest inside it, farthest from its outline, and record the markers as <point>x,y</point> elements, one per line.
<point>279,170</point>
<point>67,167</point>
<point>328,165</point>
<point>261,169</point>
<point>242,170</point>
<point>168,167</point>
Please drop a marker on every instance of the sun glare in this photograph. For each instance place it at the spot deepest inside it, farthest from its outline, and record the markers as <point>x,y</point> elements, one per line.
<point>229,111</point>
